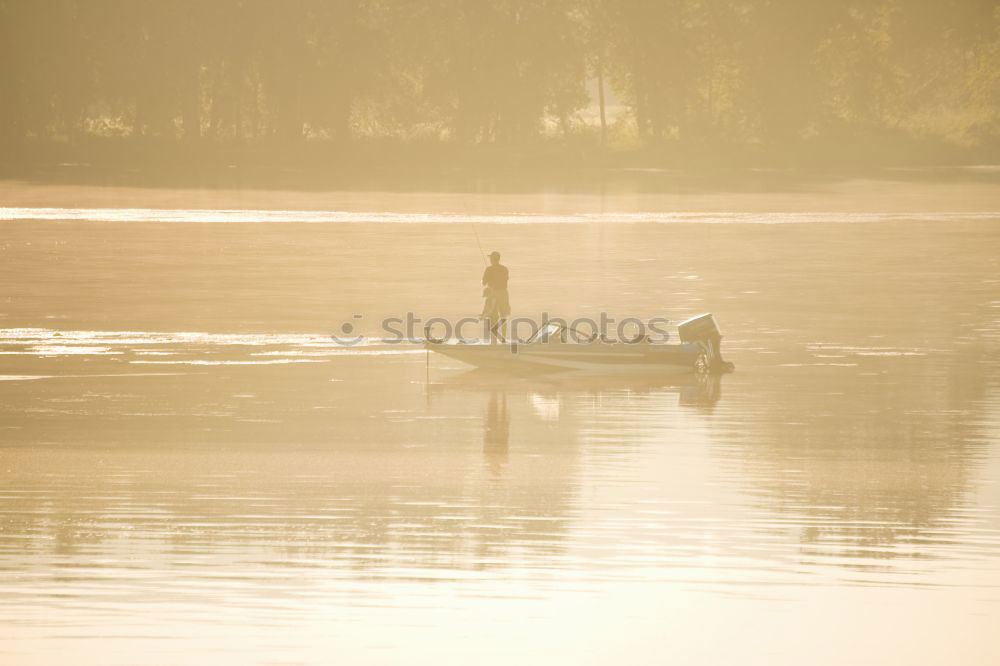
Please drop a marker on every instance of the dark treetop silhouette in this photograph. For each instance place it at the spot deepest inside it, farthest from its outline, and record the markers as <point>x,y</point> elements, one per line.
<point>918,80</point>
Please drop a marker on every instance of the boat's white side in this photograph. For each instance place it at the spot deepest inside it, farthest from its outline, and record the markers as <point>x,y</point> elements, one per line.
<point>699,349</point>
<point>660,359</point>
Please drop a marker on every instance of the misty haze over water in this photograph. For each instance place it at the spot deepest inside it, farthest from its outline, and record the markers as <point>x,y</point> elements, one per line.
<point>182,441</point>
<point>200,200</point>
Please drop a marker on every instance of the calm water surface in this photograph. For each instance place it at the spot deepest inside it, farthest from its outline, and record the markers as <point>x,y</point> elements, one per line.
<point>192,471</point>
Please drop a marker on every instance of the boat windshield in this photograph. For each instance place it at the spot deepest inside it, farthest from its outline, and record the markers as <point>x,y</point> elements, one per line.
<point>555,330</point>
<point>547,332</point>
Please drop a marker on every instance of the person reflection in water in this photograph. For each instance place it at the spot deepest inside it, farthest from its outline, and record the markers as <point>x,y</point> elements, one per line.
<point>496,307</point>
<point>496,430</point>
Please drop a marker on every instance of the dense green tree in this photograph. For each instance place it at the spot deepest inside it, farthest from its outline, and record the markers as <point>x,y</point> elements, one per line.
<point>765,75</point>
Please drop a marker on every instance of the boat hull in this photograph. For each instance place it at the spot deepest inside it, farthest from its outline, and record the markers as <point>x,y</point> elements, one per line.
<point>594,358</point>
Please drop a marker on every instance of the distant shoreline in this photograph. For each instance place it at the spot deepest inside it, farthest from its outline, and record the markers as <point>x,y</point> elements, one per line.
<point>628,195</point>
<point>162,157</point>
<point>512,171</point>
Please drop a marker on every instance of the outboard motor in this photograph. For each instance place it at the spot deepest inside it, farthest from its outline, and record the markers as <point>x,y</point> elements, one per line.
<point>702,330</point>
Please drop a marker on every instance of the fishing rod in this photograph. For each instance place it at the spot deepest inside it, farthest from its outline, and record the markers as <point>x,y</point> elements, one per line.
<point>479,244</point>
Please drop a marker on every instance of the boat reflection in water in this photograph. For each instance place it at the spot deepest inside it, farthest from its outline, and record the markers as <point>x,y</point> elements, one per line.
<point>559,401</point>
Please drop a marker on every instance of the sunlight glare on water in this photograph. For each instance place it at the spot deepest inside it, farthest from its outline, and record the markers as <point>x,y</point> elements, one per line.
<point>192,465</point>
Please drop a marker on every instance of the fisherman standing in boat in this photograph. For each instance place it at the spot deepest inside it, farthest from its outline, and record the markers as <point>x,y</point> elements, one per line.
<point>496,308</point>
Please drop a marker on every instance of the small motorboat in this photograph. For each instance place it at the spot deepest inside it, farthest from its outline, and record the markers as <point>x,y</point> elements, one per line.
<point>550,350</point>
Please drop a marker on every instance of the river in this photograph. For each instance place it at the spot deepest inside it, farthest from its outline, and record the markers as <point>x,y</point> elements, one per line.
<point>191,465</point>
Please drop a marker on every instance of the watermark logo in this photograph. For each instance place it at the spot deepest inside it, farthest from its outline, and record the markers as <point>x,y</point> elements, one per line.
<point>605,329</point>
<point>347,335</point>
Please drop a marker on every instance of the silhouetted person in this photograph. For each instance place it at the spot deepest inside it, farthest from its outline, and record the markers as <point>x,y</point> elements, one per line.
<point>496,309</point>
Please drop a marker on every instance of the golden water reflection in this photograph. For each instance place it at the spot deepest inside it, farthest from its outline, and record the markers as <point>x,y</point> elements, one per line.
<point>158,477</point>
